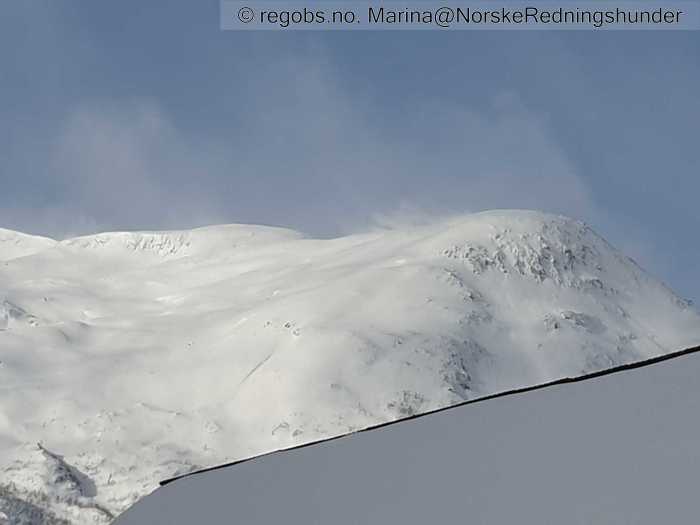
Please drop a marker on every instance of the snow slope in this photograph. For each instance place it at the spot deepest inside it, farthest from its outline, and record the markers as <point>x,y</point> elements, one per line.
<point>609,450</point>
<point>134,357</point>
<point>14,244</point>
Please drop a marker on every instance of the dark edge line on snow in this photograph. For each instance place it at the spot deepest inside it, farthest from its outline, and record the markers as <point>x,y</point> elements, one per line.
<point>522,390</point>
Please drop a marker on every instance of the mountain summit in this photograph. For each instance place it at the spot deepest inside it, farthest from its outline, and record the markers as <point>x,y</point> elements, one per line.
<point>134,357</point>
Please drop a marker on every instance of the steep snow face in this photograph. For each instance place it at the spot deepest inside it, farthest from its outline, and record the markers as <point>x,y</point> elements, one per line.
<point>133,357</point>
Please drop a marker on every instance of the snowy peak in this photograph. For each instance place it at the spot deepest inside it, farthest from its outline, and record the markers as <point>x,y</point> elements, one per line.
<point>535,245</point>
<point>549,248</point>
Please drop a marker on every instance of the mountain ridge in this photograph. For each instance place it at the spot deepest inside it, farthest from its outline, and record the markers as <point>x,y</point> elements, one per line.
<point>166,352</point>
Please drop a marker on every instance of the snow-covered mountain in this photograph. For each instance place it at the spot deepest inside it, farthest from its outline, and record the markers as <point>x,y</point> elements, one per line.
<point>134,357</point>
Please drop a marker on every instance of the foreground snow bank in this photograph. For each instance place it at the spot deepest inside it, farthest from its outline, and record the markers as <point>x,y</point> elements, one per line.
<point>607,450</point>
<point>136,357</point>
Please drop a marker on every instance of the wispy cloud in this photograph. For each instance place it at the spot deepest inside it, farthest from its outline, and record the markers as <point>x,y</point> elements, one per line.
<point>305,153</point>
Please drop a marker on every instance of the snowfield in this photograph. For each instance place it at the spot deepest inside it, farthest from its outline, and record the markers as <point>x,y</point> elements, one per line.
<point>128,358</point>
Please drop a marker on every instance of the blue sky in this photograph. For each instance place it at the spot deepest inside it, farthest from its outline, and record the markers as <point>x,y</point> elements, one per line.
<point>143,115</point>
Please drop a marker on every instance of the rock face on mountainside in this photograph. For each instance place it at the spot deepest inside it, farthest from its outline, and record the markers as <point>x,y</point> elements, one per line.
<point>127,358</point>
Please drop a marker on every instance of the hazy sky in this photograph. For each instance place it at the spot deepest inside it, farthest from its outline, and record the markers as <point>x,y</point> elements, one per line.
<point>144,115</point>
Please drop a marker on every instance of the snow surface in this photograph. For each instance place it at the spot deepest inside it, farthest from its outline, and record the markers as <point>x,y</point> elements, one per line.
<point>14,244</point>
<point>135,357</point>
<point>618,449</point>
